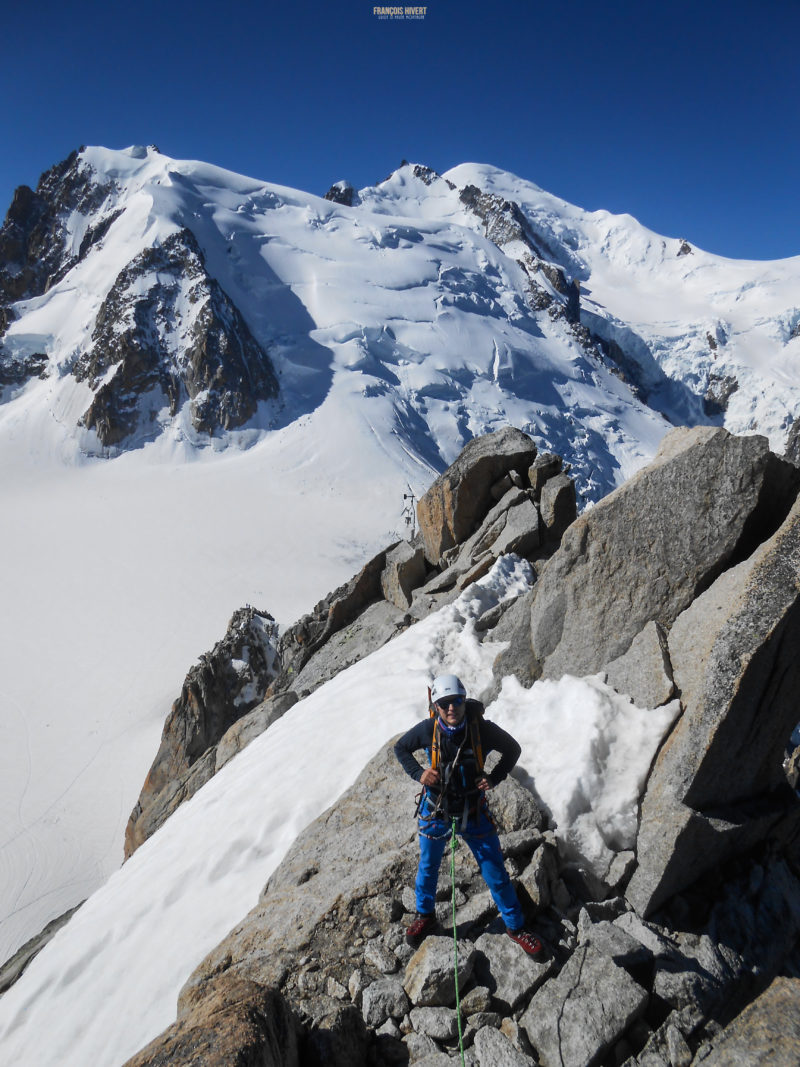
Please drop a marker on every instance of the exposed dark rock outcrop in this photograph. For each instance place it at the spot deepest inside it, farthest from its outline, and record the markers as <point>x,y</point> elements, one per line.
<point>505,224</point>
<point>13,968</point>
<point>167,332</point>
<point>341,193</point>
<point>35,249</point>
<point>16,370</point>
<point>224,686</point>
<point>719,391</point>
<point>792,452</point>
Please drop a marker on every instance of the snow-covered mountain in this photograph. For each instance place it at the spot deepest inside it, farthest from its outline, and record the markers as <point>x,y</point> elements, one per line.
<point>144,296</point>
<point>216,391</point>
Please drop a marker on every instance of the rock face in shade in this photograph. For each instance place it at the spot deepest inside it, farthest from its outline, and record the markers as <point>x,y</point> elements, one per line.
<point>718,783</point>
<point>645,552</point>
<point>239,1022</point>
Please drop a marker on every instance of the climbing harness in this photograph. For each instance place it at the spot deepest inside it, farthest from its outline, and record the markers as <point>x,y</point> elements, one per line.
<point>454,772</point>
<point>453,846</point>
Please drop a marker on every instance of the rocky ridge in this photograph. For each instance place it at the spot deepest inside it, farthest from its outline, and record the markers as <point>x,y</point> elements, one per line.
<point>497,511</point>
<point>164,334</point>
<point>681,952</point>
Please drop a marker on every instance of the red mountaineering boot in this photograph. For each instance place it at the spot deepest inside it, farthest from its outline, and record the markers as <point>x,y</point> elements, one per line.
<point>420,928</point>
<point>527,942</point>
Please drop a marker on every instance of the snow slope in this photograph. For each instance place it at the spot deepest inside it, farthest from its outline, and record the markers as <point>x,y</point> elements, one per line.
<point>105,985</point>
<point>685,316</point>
<point>397,331</point>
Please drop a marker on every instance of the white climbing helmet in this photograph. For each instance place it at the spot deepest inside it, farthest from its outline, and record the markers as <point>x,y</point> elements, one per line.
<point>447,685</point>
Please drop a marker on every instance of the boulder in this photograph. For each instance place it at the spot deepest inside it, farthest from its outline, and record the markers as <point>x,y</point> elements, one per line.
<point>333,1034</point>
<point>558,506</point>
<point>540,875</point>
<point>614,942</point>
<point>382,1000</point>
<point>667,1047</point>
<point>646,551</point>
<point>644,672</point>
<point>490,529</point>
<point>459,498</point>
<point>510,975</point>
<point>718,786</point>
<point>420,1047</point>
<point>441,1024</point>
<point>495,1050</point>
<point>403,573</point>
<point>477,909</point>
<point>478,1000</point>
<point>380,957</point>
<point>481,1020</point>
<point>514,807</point>
<point>430,973</point>
<point>766,1032</point>
<point>546,465</point>
<point>575,1018</point>
<point>520,533</point>
<point>235,1022</point>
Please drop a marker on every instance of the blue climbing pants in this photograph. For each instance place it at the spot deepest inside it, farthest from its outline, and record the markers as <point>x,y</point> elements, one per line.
<point>481,836</point>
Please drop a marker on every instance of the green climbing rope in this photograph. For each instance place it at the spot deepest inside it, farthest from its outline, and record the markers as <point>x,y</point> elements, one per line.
<point>453,845</point>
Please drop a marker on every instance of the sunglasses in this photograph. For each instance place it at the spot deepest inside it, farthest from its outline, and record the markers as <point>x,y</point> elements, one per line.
<point>446,702</point>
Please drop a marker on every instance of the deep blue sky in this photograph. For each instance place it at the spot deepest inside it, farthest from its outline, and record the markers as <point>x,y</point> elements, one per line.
<point>684,114</point>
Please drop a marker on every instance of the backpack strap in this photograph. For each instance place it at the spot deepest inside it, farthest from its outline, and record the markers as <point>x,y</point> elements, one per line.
<point>436,747</point>
<point>474,714</point>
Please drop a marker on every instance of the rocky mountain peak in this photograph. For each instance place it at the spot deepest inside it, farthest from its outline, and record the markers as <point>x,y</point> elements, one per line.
<point>167,332</point>
<point>36,240</point>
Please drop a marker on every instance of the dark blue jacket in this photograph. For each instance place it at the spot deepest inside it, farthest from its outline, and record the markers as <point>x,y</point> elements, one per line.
<point>493,738</point>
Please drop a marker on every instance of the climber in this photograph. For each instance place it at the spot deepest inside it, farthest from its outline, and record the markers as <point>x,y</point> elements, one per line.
<point>456,736</point>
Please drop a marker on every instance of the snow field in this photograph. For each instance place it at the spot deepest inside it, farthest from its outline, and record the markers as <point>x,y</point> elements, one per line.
<point>115,577</point>
<point>585,750</point>
<point>109,980</point>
